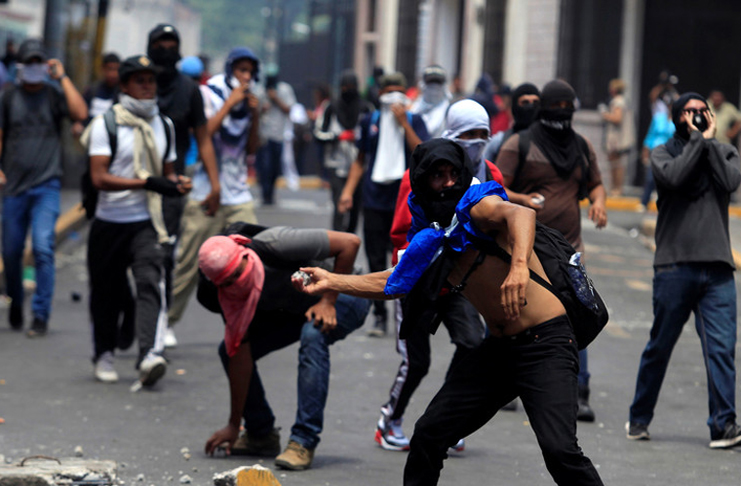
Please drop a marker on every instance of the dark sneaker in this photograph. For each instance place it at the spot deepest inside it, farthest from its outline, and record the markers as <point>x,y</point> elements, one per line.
<point>731,437</point>
<point>636,431</point>
<point>249,445</point>
<point>390,435</point>
<point>296,457</point>
<point>38,328</point>
<point>15,317</point>
<point>585,412</point>
<point>379,327</point>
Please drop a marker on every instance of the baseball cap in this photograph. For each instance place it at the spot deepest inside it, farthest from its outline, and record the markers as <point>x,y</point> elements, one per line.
<point>394,79</point>
<point>434,74</point>
<point>135,64</point>
<point>163,31</point>
<point>31,48</point>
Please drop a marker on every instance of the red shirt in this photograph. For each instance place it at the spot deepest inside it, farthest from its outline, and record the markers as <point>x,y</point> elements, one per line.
<point>403,216</point>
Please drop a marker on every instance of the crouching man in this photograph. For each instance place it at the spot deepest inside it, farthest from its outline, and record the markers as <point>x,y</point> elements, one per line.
<point>249,282</point>
<point>531,352</point>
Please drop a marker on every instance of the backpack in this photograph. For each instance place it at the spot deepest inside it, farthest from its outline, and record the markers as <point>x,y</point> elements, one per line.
<point>523,147</point>
<point>89,191</point>
<point>568,280</point>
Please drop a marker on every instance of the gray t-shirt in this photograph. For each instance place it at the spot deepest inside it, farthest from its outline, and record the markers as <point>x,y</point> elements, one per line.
<point>32,148</point>
<point>284,250</point>
<point>273,121</point>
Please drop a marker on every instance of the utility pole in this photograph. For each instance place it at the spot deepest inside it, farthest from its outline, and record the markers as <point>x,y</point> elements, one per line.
<point>55,23</point>
<point>100,37</point>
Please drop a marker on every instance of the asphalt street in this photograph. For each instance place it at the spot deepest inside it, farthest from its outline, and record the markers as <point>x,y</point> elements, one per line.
<point>51,404</point>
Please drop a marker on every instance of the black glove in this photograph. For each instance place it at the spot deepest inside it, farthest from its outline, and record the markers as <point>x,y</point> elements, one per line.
<point>162,185</point>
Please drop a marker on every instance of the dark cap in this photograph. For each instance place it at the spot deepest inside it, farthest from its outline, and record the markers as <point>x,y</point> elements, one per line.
<point>434,74</point>
<point>135,64</point>
<point>31,48</point>
<point>393,79</point>
<point>163,31</point>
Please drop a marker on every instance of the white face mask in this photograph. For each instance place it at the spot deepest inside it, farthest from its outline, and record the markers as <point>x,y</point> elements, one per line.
<point>140,108</point>
<point>234,82</point>
<point>434,93</point>
<point>474,148</point>
<point>33,73</point>
<point>388,99</point>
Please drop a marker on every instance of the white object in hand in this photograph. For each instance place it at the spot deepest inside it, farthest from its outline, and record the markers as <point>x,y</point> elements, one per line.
<point>305,278</point>
<point>538,201</point>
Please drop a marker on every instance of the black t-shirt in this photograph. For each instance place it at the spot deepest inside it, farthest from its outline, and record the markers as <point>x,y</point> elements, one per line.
<point>181,101</point>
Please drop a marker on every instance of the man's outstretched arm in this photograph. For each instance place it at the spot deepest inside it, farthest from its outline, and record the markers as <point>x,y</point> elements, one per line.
<point>369,286</point>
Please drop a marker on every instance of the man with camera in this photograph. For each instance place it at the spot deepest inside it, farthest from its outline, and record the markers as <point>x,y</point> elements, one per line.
<point>693,267</point>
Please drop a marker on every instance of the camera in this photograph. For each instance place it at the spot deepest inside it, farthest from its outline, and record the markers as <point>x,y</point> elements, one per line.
<point>700,122</point>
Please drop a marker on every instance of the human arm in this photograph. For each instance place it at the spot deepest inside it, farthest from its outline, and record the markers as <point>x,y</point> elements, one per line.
<point>494,215</point>
<point>724,159</point>
<point>277,101</point>
<point>239,374</point>
<point>411,137</point>
<point>344,248</point>
<point>597,209</point>
<point>614,116</point>
<point>674,172</point>
<point>369,286</point>
<point>344,203</point>
<point>75,102</point>
<point>208,156</point>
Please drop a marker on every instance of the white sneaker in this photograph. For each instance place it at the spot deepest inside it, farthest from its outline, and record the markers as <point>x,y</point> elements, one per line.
<point>104,370</point>
<point>151,369</point>
<point>170,340</point>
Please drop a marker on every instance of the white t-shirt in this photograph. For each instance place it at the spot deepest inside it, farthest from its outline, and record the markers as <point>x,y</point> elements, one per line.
<point>127,206</point>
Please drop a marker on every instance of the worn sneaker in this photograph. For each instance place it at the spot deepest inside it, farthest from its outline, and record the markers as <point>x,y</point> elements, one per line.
<point>459,446</point>
<point>584,413</point>
<point>104,370</point>
<point>296,457</point>
<point>636,431</point>
<point>15,317</point>
<point>151,369</point>
<point>249,445</point>
<point>731,437</point>
<point>170,340</point>
<point>390,435</point>
<point>39,328</point>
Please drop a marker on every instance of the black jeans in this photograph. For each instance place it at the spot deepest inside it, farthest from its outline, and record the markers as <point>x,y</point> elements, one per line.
<point>539,367</point>
<point>377,235</point>
<point>112,249</point>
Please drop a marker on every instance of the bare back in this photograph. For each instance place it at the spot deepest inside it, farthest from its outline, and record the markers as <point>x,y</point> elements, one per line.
<point>483,291</point>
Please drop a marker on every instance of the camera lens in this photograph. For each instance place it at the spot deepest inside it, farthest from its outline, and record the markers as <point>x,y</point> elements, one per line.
<point>698,119</point>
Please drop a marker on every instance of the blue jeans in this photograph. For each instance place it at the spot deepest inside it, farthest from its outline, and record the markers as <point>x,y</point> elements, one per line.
<point>268,163</point>
<point>583,376</point>
<point>708,290</point>
<point>38,207</point>
<point>270,331</point>
<point>649,186</point>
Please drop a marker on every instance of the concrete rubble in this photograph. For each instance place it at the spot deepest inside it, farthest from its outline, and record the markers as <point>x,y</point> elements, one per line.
<point>48,471</point>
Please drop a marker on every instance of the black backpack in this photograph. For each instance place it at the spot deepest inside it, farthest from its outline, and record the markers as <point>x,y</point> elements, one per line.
<point>568,281</point>
<point>89,192</point>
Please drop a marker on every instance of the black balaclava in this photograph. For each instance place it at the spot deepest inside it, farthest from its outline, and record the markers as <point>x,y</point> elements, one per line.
<point>553,133</point>
<point>349,102</point>
<point>439,207</point>
<point>683,131</point>
<point>524,115</point>
<point>165,59</point>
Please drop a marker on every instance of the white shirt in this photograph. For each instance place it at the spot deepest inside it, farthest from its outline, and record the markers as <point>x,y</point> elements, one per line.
<point>127,206</point>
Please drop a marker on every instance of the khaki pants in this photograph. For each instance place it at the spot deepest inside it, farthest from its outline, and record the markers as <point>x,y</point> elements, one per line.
<point>197,228</point>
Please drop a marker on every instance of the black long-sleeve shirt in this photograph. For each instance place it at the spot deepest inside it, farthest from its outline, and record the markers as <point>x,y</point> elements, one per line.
<point>694,227</point>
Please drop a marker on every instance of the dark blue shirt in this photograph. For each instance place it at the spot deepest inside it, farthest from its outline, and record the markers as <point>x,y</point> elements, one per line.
<point>382,197</point>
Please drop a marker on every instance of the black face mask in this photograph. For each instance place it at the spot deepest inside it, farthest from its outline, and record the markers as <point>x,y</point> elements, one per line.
<point>349,95</point>
<point>556,119</point>
<point>165,58</point>
<point>524,115</point>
